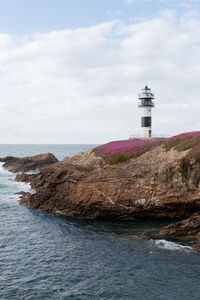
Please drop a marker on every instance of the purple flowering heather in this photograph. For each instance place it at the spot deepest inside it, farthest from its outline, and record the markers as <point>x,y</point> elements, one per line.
<point>119,151</point>
<point>183,141</point>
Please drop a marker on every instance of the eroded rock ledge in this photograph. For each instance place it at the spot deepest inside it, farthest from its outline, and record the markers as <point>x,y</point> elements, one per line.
<point>188,228</point>
<point>158,184</point>
<point>33,163</point>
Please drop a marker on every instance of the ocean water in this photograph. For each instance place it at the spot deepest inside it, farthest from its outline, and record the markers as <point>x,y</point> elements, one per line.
<point>60,151</point>
<point>44,256</point>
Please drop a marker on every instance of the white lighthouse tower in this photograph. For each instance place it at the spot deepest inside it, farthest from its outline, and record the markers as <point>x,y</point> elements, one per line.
<point>146,103</point>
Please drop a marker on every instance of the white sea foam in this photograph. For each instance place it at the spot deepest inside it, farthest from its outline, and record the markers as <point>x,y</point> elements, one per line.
<point>30,172</point>
<point>9,186</point>
<point>163,244</point>
<point>59,213</point>
<point>23,186</point>
<point>4,171</point>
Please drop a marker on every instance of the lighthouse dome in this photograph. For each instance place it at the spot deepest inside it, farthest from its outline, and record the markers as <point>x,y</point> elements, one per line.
<point>146,93</point>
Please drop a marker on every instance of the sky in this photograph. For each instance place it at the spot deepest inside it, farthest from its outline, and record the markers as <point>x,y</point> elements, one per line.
<point>70,71</point>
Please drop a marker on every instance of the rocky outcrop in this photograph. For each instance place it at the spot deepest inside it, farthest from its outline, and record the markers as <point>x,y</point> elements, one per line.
<point>158,184</point>
<point>33,163</point>
<point>153,185</point>
<point>188,228</point>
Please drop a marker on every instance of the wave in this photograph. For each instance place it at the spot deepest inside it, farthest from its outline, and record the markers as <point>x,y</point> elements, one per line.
<point>163,244</point>
<point>3,171</point>
<point>23,186</point>
<point>8,185</point>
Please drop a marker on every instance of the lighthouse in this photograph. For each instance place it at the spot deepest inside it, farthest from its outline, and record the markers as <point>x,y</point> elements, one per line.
<point>146,104</point>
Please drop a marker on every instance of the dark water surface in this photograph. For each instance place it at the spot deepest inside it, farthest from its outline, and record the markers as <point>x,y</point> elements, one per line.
<point>44,256</point>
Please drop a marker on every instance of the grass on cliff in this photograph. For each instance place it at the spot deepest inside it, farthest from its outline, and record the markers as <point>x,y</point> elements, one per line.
<point>183,141</point>
<point>120,151</point>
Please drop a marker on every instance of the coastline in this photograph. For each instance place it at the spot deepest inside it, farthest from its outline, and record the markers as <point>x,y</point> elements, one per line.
<point>152,186</point>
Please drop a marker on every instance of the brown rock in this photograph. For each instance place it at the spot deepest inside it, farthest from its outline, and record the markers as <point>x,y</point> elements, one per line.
<point>196,247</point>
<point>36,162</point>
<point>151,186</point>
<point>188,228</point>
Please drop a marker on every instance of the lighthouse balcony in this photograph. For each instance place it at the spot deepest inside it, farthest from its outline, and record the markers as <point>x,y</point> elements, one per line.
<point>145,95</point>
<point>145,102</point>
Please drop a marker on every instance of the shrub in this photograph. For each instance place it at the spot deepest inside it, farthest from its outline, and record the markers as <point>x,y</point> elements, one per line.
<point>120,151</point>
<point>183,141</point>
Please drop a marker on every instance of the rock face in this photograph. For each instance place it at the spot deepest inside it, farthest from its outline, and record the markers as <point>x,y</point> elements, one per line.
<point>189,228</point>
<point>152,186</point>
<point>158,184</point>
<point>37,162</point>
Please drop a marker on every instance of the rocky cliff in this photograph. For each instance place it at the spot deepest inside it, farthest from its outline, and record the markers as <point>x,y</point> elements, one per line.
<point>33,163</point>
<point>151,186</point>
<point>162,182</point>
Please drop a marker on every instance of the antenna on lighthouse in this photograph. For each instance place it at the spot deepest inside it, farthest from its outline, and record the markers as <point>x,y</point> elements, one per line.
<point>146,103</point>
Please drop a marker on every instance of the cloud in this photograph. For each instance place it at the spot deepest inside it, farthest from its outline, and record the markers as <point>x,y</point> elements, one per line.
<point>114,12</point>
<point>76,86</point>
<point>134,1</point>
<point>129,1</point>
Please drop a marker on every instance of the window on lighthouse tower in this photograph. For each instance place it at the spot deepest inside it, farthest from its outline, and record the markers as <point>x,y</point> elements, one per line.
<point>149,132</point>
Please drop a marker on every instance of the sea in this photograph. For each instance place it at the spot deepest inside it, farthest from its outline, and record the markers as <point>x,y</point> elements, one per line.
<point>46,256</point>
